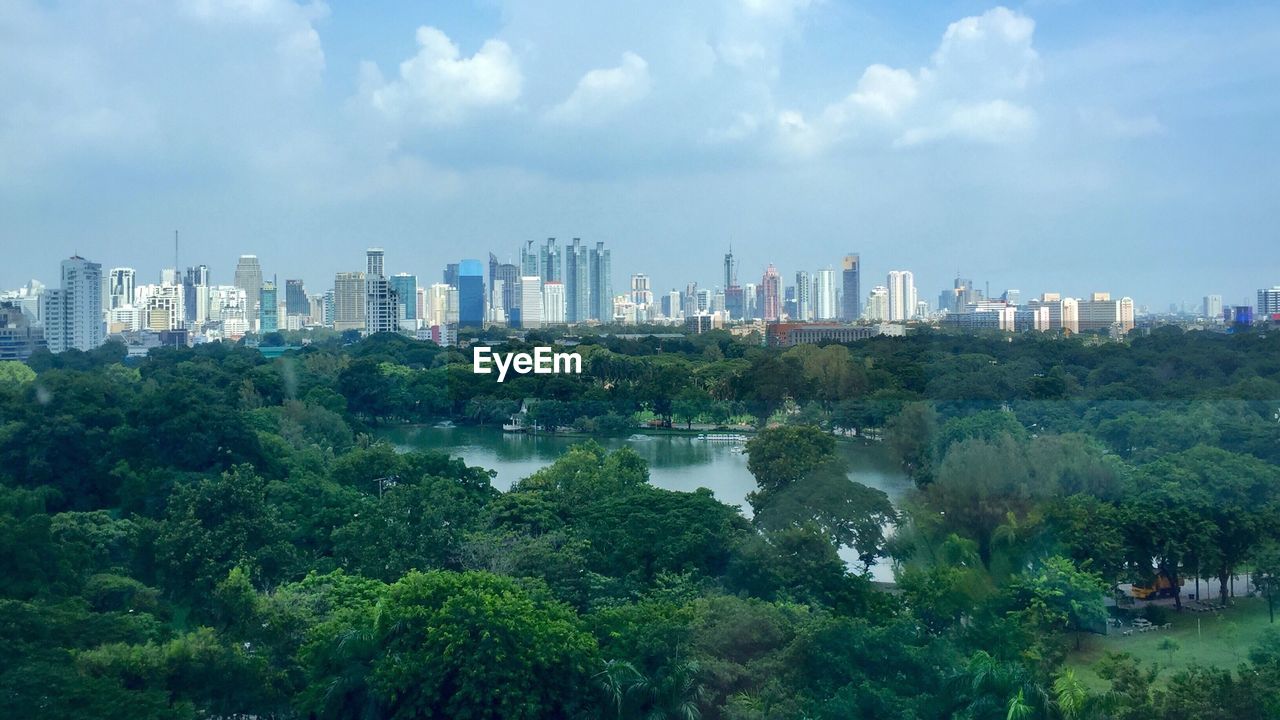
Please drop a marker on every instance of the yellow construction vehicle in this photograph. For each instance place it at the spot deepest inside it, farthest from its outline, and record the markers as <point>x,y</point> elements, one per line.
<point>1160,587</point>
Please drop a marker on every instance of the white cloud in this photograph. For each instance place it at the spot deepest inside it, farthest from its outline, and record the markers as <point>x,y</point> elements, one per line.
<point>297,45</point>
<point>995,122</point>
<point>605,91</point>
<point>438,85</point>
<point>963,94</point>
<point>774,9</point>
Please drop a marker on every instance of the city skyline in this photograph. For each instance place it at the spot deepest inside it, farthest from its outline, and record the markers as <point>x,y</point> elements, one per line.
<point>1019,146</point>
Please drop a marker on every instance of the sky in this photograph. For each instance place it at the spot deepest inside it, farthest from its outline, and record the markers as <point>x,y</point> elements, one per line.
<point>1048,146</point>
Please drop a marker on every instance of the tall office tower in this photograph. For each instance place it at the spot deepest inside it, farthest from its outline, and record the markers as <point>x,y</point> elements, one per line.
<point>163,310</point>
<point>120,284</point>
<point>1012,297</point>
<point>704,301</point>
<point>529,264</point>
<point>348,301</point>
<point>601,284</point>
<point>770,294</point>
<point>73,313</point>
<point>451,275</point>
<point>381,308</point>
<point>1268,303</point>
<point>733,302</point>
<point>851,287</point>
<point>789,303</point>
<point>249,279</point>
<point>295,298</point>
<point>269,320</point>
<point>577,281</point>
<point>689,301</point>
<point>550,262</point>
<point>750,302</point>
<point>1213,308</point>
<point>824,295</point>
<point>553,303</point>
<point>902,295</point>
<point>672,305</point>
<point>640,292</point>
<point>441,305</point>
<point>531,301</point>
<point>804,296</point>
<point>730,269</point>
<point>196,277</point>
<point>327,314</point>
<point>505,296</point>
<point>471,293</point>
<point>406,287</point>
<point>421,304</point>
<point>492,277</point>
<point>878,304</point>
<point>717,301</point>
<point>170,276</point>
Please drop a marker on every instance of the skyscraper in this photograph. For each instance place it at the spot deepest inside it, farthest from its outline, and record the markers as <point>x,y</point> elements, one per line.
<point>640,292</point>
<point>553,303</point>
<point>824,295</point>
<point>770,293</point>
<point>73,313</point>
<point>878,304</point>
<point>601,290</point>
<point>451,275</point>
<point>902,295</point>
<point>269,318</point>
<point>381,308</point>
<point>531,301</point>
<point>1268,303</point>
<point>406,287</point>
<point>549,261</point>
<point>196,277</point>
<point>295,298</point>
<point>348,301</point>
<point>120,284</point>
<point>249,278</point>
<point>471,293</point>
<point>851,285</point>
<point>506,288</point>
<point>577,282</point>
<point>529,264</point>
<point>1213,308</point>
<point>730,269</point>
<point>804,296</point>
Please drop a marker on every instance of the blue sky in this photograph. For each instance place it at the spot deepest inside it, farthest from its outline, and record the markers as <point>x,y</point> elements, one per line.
<point>1049,146</point>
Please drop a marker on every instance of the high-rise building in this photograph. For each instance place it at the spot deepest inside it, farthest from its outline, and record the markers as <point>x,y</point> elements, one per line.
<point>824,295</point>
<point>770,294</point>
<point>327,312</point>
<point>269,318</point>
<point>506,288</point>
<point>640,292</point>
<point>451,275</point>
<point>348,301</point>
<point>577,282</point>
<point>120,285</point>
<point>471,293</point>
<point>249,278</point>
<point>1100,312</point>
<point>1213,308</point>
<point>1012,297</point>
<point>73,313</point>
<point>902,295</point>
<point>549,261</point>
<point>197,277</point>
<point>553,303</point>
<point>1268,303</point>
<point>531,301</point>
<point>19,337</point>
<point>295,298</point>
<point>529,264</point>
<point>851,286</point>
<point>730,269</point>
<point>406,287</point>
<point>878,304</point>
<point>750,302</point>
<point>381,307</point>
<point>442,305</point>
<point>601,284</point>
<point>804,296</point>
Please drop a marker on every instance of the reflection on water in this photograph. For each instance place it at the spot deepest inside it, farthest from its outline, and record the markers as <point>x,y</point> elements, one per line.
<point>676,462</point>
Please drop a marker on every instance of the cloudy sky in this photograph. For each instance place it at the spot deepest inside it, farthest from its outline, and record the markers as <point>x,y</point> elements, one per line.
<point>1055,145</point>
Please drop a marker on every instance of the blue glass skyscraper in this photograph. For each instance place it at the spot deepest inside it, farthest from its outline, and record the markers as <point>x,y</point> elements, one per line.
<point>471,293</point>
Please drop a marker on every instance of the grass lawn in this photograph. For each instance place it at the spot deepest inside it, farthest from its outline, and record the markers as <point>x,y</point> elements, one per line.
<point>1222,639</point>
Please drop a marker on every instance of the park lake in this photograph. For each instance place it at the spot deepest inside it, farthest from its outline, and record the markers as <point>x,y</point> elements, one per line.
<point>677,461</point>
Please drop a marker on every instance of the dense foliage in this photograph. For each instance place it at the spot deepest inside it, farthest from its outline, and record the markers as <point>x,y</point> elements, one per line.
<point>209,533</point>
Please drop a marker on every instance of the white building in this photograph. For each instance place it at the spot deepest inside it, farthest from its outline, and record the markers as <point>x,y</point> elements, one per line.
<point>73,313</point>
<point>553,303</point>
<point>826,305</point>
<point>902,295</point>
<point>531,301</point>
<point>878,304</point>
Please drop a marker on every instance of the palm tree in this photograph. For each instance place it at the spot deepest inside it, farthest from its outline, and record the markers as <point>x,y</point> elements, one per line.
<point>617,680</point>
